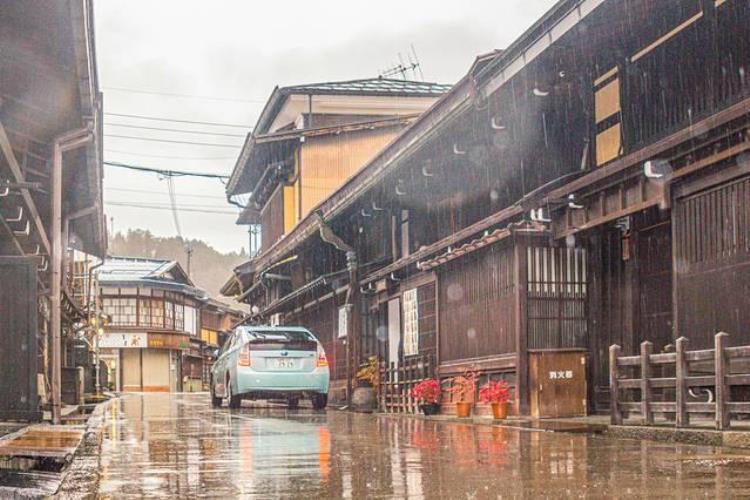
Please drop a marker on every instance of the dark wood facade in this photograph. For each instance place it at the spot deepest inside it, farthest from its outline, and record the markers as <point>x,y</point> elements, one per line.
<point>586,187</point>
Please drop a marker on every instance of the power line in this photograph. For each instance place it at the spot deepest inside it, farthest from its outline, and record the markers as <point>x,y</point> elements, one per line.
<point>148,207</point>
<point>151,139</point>
<point>165,172</point>
<point>160,119</point>
<point>146,191</point>
<point>168,204</point>
<point>190,96</point>
<point>199,132</point>
<point>167,157</point>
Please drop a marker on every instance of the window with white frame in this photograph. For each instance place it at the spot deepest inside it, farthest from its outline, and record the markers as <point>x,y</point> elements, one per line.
<point>410,315</point>
<point>122,310</point>
<point>191,320</point>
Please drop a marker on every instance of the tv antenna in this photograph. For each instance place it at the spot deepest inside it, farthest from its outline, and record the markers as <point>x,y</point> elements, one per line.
<point>403,68</point>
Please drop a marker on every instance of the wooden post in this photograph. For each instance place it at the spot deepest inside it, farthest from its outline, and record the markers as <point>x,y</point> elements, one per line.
<point>522,353</point>
<point>391,378</point>
<point>646,349</point>
<point>722,389</point>
<point>681,386</point>
<point>614,403</point>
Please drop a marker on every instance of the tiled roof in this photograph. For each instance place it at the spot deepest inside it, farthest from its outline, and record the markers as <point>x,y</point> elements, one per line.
<point>373,86</point>
<point>130,269</point>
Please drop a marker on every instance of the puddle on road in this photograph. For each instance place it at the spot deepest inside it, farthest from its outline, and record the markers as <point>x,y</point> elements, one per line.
<point>175,445</point>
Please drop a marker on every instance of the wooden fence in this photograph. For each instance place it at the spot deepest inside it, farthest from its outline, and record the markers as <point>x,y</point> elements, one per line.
<point>715,371</point>
<point>397,381</point>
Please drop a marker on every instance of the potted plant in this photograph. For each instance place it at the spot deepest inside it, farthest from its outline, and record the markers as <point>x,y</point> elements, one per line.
<point>427,392</point>
<point>463,387</point>
<point>364,397</point>
<point>497,394</point>
<point>369,373</point>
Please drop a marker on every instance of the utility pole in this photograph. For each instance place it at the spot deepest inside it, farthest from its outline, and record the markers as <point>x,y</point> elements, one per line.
<point>189,251</point>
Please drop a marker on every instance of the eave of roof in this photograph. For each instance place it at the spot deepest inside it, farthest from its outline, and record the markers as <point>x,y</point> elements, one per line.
<point>318,282</point>
<point>240,174</point>
<point>92,227</point>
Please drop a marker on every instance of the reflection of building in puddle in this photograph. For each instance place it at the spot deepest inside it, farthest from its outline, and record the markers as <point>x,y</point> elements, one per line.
<point>406,462</point>
<point>564,457</point>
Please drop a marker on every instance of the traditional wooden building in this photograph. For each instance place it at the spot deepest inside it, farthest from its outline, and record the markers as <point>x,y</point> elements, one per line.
<point>588,185</point>
<point>50,191</point>
<point>152,342</point>
<point>308,141</point>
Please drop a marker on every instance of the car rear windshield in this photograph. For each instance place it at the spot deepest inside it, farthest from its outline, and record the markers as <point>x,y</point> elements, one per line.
<point>282,341</point>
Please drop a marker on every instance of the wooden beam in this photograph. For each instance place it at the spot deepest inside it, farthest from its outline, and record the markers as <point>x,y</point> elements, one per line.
<point>18,174</point>
<point>467,232</point>
<point>522,345</point>
<point>666,37</point>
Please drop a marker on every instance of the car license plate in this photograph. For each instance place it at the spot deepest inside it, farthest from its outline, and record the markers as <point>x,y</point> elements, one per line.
<point>284,363</point>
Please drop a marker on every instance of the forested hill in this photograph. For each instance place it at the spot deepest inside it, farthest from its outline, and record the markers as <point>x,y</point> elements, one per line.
<point>209,268</point>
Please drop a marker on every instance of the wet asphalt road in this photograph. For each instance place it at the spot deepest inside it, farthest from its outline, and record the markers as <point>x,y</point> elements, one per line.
<point>177,446</point>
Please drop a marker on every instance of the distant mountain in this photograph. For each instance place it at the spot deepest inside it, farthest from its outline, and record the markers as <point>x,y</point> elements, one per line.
<point>209,268</point>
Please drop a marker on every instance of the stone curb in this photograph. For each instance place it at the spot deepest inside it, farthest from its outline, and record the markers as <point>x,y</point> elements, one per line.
<point>81,479</point>
<point>705,437</point>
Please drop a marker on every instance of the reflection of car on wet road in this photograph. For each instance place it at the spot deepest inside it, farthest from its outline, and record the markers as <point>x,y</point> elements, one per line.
<point>264,362</point>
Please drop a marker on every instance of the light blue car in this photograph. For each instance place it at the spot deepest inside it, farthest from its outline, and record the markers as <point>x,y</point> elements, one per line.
<point>266,362</point>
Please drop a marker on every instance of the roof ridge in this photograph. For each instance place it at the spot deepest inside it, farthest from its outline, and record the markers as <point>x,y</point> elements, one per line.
<point>111,258</point>
<point>360,80</point>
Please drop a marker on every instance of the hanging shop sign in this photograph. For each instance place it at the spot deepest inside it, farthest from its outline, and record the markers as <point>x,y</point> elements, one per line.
<point>113,340</point>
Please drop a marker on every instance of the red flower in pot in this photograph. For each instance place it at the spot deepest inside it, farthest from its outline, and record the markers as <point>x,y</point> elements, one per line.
<point>497,394</point>
<point>428,392</point>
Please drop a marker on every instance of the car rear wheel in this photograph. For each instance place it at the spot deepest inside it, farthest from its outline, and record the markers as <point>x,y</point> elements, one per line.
<point>234,401</point>
<point>319,401</point>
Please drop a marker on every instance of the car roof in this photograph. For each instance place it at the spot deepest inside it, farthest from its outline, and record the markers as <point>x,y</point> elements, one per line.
<point>269,328</point>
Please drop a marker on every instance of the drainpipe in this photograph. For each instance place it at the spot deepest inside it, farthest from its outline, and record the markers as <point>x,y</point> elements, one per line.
<point>352,301</point>
<point>95,332</point>
<point>63,143</point>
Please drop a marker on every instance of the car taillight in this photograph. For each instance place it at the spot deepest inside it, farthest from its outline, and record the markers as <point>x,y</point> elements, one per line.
<point>322,360</point>
<point>244,359</point>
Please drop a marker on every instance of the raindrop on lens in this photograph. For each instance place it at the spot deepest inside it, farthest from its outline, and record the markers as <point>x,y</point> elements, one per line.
<point>471,333</point>
<point>455,292</point>
<point>382,333</point>
<point>570,241</point>
<point>494,195</point>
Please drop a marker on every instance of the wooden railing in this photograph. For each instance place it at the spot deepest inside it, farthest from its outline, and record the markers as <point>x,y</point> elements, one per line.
<point>714,371</point>
<point>397,381</point>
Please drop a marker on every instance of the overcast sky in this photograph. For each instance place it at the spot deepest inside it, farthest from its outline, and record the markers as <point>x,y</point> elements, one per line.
<point>238,50</point>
